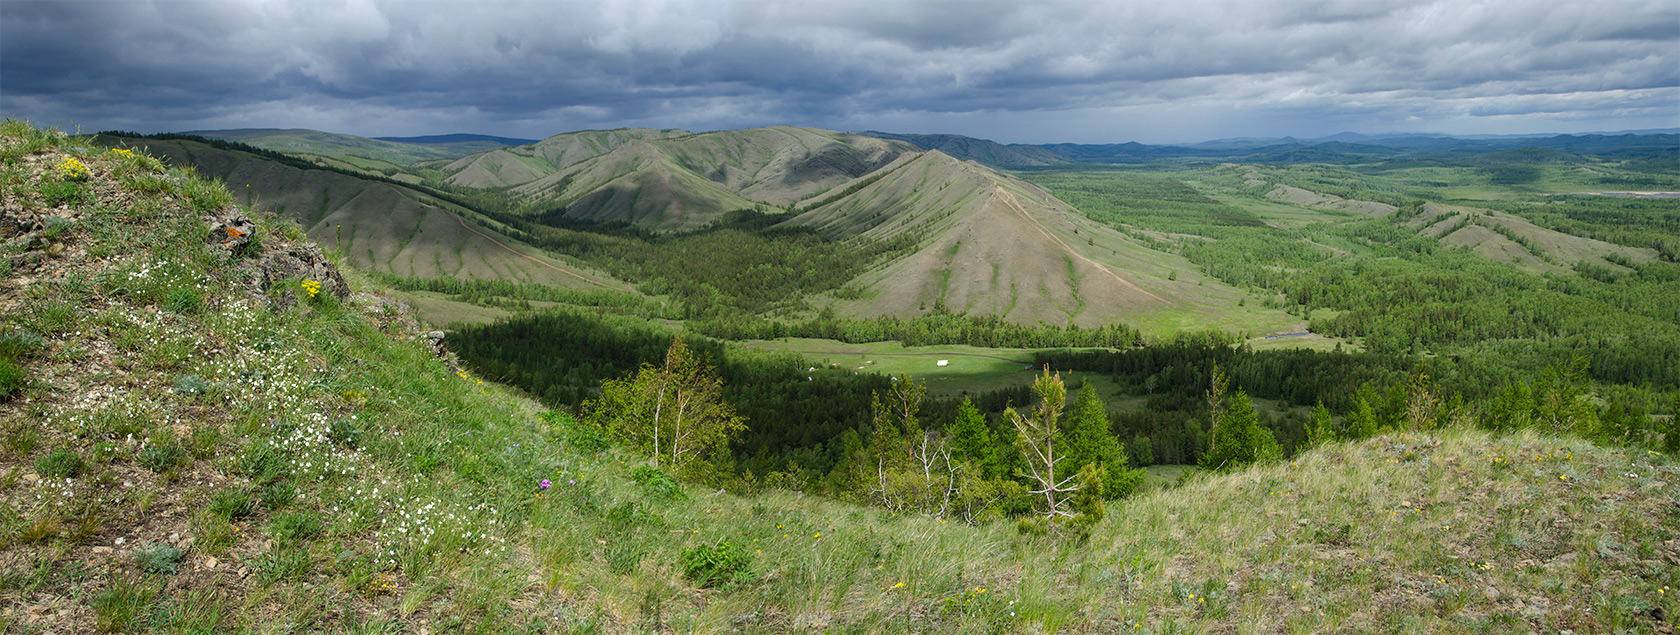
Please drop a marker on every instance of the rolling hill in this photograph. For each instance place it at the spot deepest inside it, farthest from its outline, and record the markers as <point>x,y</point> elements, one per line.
<point>401,152</point>
<point>992,244</point>
<point>377,225</point>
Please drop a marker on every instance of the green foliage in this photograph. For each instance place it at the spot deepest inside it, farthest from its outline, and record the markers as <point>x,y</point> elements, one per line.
<point>716,565</point>
<point>674,413</point>
<point>12,379</point>
<point>295,527</point>
<point>232,503</point>
<point>61,463</point>
<point>161,455</point>
<point>1238,439</point>
<point>344,432</point>
<point>1321,428</point>
<point>939,327</point>
<point>122,603</point>
<point>1090,441</point>
<point>158,559</point>
<point>585,438</point>
<point>972,442</point>
<point>187,384</point>
<point>657,484</point>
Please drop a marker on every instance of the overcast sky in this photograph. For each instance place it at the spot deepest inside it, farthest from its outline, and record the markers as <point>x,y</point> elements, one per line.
<point>1023,71</point>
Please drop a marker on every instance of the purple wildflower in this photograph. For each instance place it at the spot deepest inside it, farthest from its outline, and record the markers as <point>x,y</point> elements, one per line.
<point>544,484</point>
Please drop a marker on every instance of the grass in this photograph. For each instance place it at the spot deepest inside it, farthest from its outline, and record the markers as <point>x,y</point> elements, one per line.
<point>433,518</point>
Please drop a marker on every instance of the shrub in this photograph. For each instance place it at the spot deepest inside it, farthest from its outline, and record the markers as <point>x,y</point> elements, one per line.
<point>586,438</point>
<point>656,483</point>
<point>159,558</point>
<point>716,564</point>
<point>62,463</point>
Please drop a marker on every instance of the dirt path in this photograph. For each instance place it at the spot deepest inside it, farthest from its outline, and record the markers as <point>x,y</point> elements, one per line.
<point>1009,199</point>
<point>539,261</point>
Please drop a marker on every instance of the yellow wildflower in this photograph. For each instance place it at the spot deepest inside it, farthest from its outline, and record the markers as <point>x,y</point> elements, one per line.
<point>73,170</point>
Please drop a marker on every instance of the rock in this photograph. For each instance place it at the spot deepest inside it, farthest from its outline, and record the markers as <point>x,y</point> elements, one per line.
<point>210,563</point>
<point>55,250</point>
<point>301,262</point>
<point>102,549</point>
<point>231,230</point>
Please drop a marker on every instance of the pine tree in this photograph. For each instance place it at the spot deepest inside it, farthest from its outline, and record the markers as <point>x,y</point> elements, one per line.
<point>1362,423</point>
<point>1090,441</point>
<point>1320,428</point>
<point>972,442</point>
<point>1239,440</point>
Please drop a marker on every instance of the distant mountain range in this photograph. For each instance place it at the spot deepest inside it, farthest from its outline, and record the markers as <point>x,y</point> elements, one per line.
<point>1344,147</point>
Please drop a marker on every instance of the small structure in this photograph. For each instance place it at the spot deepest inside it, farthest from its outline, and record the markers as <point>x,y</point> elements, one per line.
<point>944,362</point>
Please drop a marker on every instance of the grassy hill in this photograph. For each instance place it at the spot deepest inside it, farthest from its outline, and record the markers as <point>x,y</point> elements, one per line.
<point>343,146</point>
<point>994,244</point>
<point>379,226</point>
<point>183,452</point>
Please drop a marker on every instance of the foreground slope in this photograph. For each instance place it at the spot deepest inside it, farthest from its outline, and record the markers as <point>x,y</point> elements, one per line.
<point>235,465</point>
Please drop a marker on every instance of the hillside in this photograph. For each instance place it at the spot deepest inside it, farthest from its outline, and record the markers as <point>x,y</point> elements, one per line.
<point>982,151</point>
<point>198,443</point>
<point>378,226</point>
<point>340,146</point>
<point>991,244</point>
<point>672,180</point>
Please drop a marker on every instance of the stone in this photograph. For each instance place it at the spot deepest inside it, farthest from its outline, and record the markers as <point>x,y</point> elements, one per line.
<point>231,229</point>
<point>300,262</point>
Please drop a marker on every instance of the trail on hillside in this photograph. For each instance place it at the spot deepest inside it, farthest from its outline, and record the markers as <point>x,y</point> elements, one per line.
<point>539,261</point>
<point>1009,199</point>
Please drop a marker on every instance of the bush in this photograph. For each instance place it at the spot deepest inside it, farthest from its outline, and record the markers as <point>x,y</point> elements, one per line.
<point>716,564</point>
<point>160,559</point>
<point>656,483</point>
<point>62,463</point>
<point>583,437</point>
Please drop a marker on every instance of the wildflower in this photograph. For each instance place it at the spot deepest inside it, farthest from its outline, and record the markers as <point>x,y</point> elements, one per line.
<point>544,484</point>
<point>311,287</point>
<point>122,152</point>
<point>73,170</point>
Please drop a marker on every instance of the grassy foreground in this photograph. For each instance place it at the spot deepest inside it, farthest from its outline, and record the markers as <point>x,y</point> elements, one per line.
<point>178,456</point>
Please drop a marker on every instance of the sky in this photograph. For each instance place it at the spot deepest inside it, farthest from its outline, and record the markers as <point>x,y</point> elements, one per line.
<point>1015,71</point>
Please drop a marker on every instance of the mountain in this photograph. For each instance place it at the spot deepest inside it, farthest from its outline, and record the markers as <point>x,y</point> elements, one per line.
<point>377,225</point>
<point>987,152</point>
<point>342,146</point>
<point>458,138</point>
<point>992,244</point>
<point>671,180</point>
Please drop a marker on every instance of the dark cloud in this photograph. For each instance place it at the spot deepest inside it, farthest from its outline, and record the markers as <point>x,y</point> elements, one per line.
<point>1014,71</point>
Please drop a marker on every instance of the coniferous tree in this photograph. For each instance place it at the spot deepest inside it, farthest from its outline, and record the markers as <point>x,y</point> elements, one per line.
<point>1239,440</point>
<point>1362,423</point>
<point>1320,428</point>
<point>973,442</point>
<point>1090,440</point>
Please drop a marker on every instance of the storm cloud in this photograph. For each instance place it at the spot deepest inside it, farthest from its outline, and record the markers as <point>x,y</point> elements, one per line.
<point>1013,71</point>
